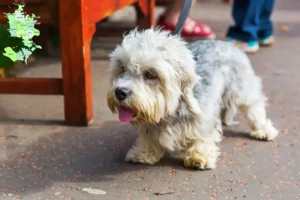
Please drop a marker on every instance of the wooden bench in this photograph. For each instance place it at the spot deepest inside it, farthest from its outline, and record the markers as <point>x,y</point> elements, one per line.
<point>77,20</point>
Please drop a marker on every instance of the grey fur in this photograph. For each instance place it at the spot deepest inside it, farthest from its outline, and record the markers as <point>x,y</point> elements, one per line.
<point>221,60</point>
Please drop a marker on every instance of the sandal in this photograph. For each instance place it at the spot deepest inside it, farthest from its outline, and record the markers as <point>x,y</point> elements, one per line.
<point>190,29</point>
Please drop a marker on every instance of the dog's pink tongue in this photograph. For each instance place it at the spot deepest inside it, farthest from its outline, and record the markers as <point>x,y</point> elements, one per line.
<point>125,114</point>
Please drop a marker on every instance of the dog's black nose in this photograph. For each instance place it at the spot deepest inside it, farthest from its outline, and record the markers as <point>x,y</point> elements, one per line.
<point>122,93</point>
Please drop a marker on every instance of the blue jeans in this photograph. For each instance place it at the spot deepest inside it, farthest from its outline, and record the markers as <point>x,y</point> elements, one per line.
<point>252,20</point>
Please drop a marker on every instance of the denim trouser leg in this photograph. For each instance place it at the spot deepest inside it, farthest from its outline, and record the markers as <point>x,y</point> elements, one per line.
<point>246,14</point>
<point>265,24</point>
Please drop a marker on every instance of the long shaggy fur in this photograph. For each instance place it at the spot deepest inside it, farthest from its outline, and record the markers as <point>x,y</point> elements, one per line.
<point>197,88</point>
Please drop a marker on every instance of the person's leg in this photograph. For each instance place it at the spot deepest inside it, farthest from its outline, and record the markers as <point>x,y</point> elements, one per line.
<point>191,29</point>
<point>246,16</point>
<point>265,32</point>
<point>173,10</point>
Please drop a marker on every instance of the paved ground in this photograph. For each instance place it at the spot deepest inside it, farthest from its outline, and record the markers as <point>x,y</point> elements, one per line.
<point>42,159</point>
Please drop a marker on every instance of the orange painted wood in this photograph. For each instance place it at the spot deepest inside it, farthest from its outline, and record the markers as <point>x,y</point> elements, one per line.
<point>76,34</point>
<point>50,86</point>
<point>99,9</point>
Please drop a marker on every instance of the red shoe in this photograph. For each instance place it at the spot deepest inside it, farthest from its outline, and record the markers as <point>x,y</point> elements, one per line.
<point>190,29</point>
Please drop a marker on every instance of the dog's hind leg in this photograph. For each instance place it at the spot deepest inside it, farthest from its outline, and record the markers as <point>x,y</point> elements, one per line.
<point>262,127</point>
<point>227,115</point>
<point>229,109</point>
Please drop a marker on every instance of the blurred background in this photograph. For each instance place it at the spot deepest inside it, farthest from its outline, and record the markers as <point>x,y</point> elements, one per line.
<point>215,13</point>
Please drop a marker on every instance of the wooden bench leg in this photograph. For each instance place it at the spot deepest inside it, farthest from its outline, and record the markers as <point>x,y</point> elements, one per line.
<point>76,34</point>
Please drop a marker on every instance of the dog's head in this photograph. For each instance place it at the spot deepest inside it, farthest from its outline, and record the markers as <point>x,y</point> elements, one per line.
<point>152,71</point>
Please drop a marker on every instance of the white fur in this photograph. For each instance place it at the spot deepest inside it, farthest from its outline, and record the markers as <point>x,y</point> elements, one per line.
<point>179,112</point>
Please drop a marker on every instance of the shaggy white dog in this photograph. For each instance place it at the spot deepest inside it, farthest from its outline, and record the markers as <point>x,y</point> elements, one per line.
<point>178,95</point>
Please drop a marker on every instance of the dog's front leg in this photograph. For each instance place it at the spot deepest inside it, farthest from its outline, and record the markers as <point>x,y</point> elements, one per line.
<point>202,155</point>
<point>146,150</point>
<point>203,152</point>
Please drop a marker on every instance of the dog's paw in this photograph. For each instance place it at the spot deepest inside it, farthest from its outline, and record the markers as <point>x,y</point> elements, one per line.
<point>201,162</point>
<point>264,135</point>
<point>133,156</point>
<point>267,132</point>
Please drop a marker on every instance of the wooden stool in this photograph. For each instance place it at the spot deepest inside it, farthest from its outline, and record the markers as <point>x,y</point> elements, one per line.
<point>77,20</point>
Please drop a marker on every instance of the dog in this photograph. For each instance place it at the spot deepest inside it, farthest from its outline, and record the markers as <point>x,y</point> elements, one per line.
<point>179,95</point>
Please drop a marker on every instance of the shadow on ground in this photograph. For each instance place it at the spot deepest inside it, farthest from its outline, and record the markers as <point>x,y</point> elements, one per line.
<point>76,155</point>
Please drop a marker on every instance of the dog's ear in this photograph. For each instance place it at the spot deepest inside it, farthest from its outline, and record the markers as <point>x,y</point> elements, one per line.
<point>186,75</point>
<point>187,79</point>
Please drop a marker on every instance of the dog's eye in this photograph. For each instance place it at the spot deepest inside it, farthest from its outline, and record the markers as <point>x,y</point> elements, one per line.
<point>149,75</point>
<point>123,69</point>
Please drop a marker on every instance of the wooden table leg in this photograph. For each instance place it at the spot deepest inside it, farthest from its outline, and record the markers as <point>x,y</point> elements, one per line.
<point>76,33</point>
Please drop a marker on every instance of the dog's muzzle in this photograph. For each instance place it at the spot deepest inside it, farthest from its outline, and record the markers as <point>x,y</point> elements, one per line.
<point>122,93</point>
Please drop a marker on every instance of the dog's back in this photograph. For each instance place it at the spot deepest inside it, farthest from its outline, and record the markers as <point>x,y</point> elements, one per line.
<point>227,77</point>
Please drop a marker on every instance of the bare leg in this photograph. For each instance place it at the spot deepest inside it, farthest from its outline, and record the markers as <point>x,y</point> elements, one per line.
<point>173,10</point>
